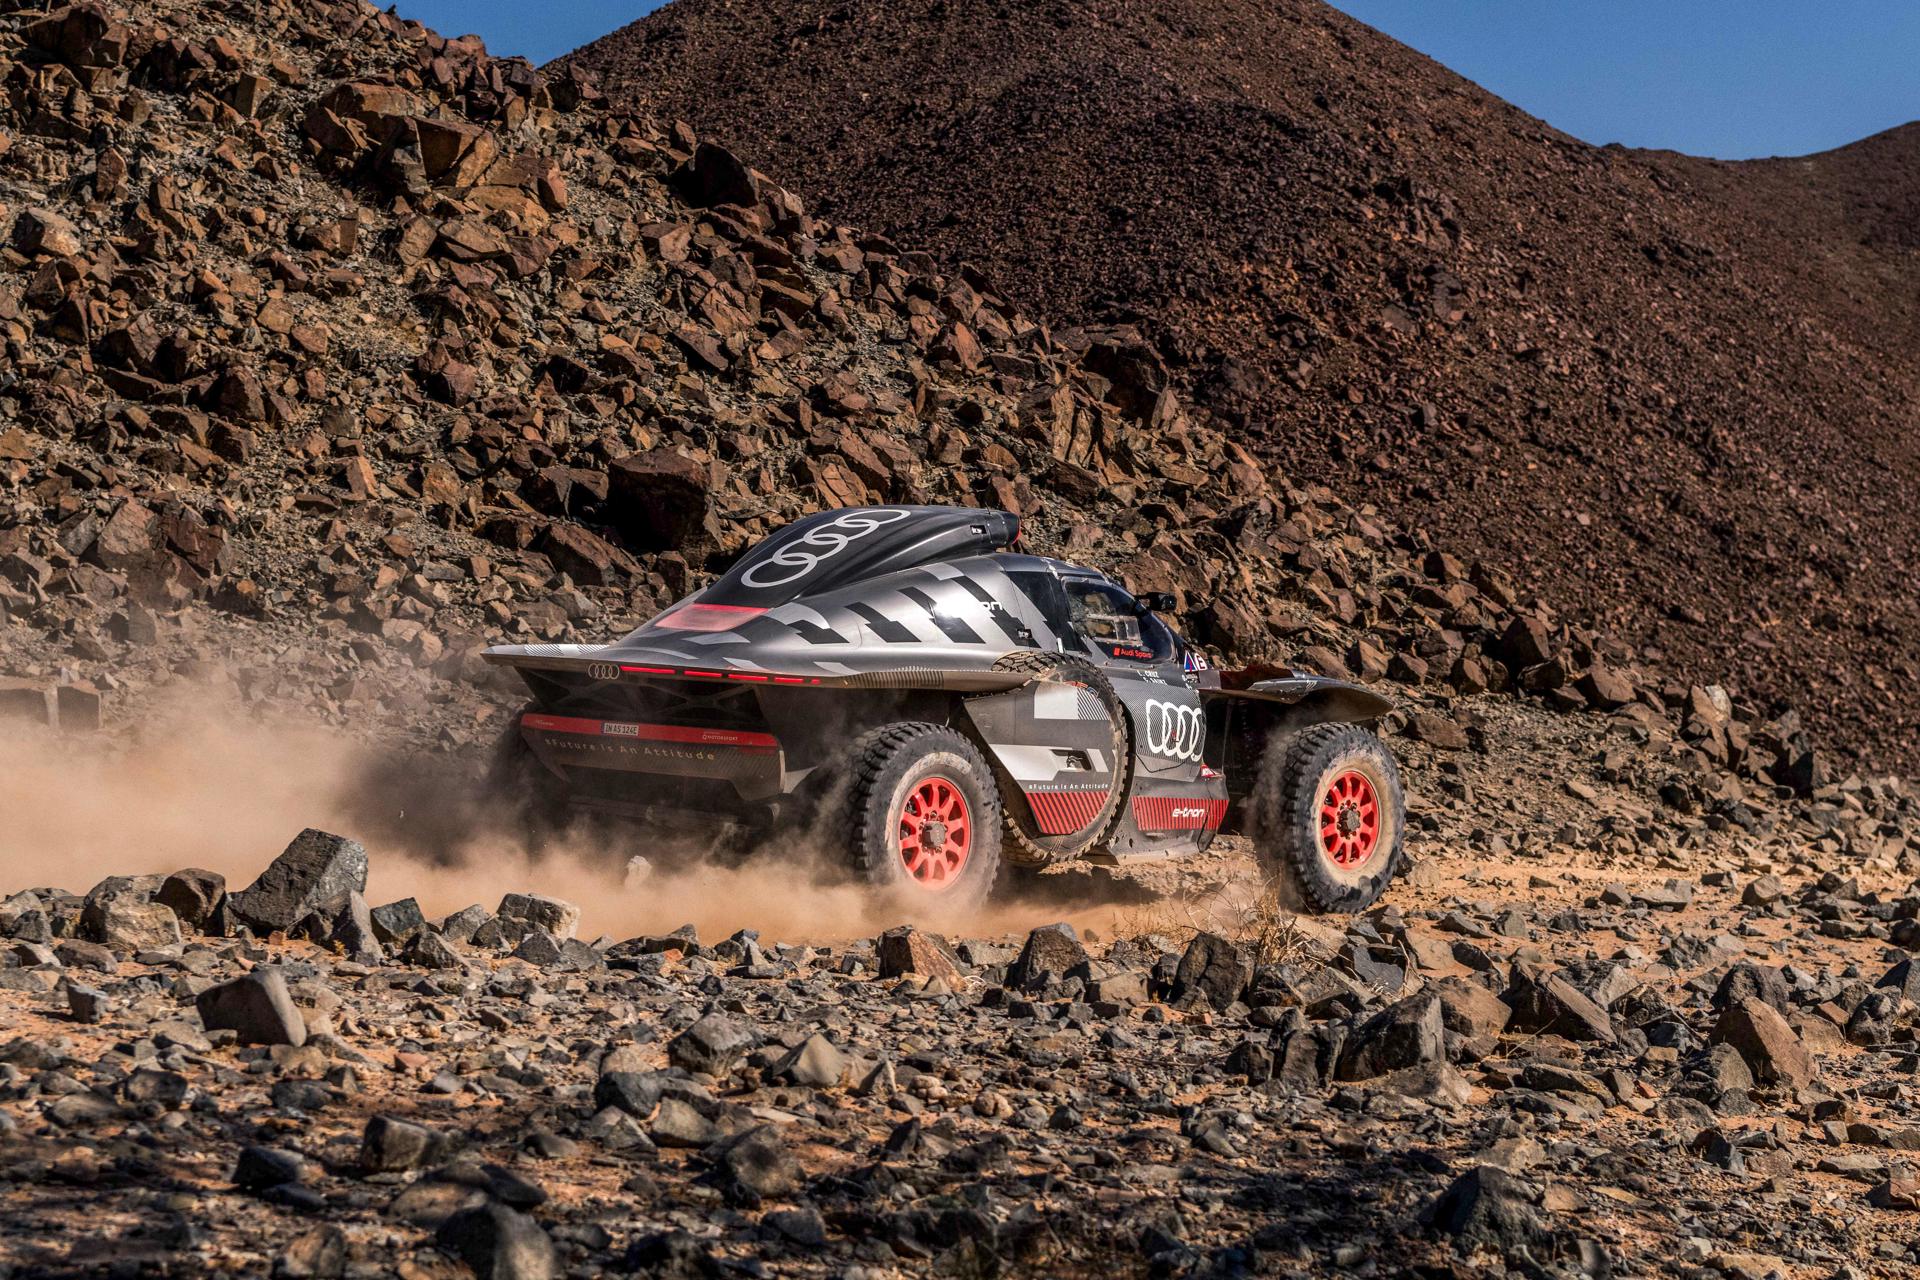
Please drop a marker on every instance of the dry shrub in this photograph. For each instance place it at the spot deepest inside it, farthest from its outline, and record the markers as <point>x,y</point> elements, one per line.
<point>1256,914</point>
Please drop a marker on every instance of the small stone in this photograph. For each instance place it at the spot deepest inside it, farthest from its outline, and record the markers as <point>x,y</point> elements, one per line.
<point>86,1004</point>
<point>317,1254</point>
<point>758,1166</point>
<point>677,1124</point>
<point>1671,896</point>
<point>636,1093</point>
<point>167,1089</point>
<point>1900,1191</point>
<point>1438,731</point>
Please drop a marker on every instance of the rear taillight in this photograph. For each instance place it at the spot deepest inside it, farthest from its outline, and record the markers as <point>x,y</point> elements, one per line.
<point>706,617</point>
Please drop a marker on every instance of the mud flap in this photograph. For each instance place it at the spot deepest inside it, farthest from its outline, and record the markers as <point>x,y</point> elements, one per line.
<point>1054,740</point>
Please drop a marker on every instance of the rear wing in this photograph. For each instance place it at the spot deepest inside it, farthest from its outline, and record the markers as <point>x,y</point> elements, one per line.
<point>603,664</point>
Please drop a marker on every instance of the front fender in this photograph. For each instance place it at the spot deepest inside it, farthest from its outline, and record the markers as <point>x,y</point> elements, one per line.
<point>1302,699</point>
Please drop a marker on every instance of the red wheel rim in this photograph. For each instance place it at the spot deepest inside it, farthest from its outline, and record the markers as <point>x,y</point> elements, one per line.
<point>1350,820</point>
<point>936,833</point>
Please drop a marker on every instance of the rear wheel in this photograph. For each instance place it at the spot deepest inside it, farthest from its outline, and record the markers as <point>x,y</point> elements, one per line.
<point>1026,845</point>
<point>924,816</point>
<point>1328,814</point>
<point>529,798</point>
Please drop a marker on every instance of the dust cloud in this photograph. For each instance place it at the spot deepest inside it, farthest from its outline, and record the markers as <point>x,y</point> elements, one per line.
<point>224,785</point>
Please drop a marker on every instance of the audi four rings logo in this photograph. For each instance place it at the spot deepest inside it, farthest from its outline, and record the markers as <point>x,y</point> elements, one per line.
<point>1176,732</point>
<point>603,670</point>
<point>801,557</point>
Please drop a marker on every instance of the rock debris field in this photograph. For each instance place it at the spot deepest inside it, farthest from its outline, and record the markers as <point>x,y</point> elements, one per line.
<point>1559,1072</point>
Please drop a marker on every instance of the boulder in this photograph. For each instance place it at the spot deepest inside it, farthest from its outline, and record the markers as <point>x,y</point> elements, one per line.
<point>499,1243</point>
<point>315,870</point>
<point>1213,971</point>
<point>193,895</point>
<point>561,919</point>
<point>713,1045</point>
<point>1051,954</point>
<point>127,925</point>
<point>1469,1009</point>
<point>397,922</point>
<point>662,501</point>
<point>1409,1033</point>
<point>715,176</point>
<point>1745,980</point>
<point>1488,1206</point>
<point>257,1006</point>
<point>909,950</point>
<point>1768,1045</point>
<point>1547,1002</point>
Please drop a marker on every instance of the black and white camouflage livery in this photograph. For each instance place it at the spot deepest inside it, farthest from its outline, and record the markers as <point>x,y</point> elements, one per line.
<point>735,700</point>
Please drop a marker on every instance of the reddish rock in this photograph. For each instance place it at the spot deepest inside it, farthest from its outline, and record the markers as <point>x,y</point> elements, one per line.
<point>662,500</point>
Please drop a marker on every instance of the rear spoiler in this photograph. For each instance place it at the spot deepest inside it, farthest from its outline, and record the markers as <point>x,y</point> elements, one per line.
<point>602,664</point>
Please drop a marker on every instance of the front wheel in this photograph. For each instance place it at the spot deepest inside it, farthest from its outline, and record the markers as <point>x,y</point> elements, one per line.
<point>1328,814</point>
<point>925,817</point>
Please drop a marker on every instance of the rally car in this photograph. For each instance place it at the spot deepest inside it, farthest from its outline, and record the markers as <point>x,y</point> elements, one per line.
<point>909,682</point>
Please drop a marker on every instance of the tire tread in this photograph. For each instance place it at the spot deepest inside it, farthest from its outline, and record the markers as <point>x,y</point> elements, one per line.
<point>870,757</point>
<point>1288,789</point>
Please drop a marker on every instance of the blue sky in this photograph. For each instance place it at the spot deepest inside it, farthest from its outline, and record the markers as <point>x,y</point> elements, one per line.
<point>1760,77</point>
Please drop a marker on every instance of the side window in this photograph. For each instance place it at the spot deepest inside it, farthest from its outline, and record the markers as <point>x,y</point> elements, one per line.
<point>1112,624</point>
<point>1043,589</point>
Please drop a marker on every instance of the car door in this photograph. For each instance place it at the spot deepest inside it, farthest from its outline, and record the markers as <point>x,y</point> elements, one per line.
<point>1176,797</point>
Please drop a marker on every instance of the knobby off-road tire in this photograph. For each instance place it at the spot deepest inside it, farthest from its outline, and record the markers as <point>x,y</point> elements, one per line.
<point>923,817</point>
<point>1328,815</point>
<point>1026,847</point>
<point>524,792</point>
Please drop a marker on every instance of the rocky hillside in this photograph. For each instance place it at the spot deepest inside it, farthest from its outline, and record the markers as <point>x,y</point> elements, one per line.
<point>1677,397</point>
<point>338,350</point>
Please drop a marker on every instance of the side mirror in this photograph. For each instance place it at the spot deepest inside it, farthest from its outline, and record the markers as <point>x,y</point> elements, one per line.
<point>1155,601</point>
